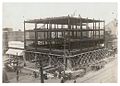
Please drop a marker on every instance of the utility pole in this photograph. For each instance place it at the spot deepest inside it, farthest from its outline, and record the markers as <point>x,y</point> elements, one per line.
<point>41,70</point>
<point>17,69</point>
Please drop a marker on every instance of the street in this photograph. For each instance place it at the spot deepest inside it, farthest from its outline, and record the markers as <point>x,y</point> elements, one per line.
<point>108,74</point>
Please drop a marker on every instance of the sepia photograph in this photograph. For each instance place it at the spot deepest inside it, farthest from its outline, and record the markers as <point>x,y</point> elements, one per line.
<point>60,42</point>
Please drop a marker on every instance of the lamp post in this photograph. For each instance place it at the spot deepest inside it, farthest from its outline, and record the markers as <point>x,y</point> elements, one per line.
<point>17,69</point>
<point>41,71</point>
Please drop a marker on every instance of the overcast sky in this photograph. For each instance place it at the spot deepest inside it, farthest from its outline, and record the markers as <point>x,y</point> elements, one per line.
<point>15,13</point>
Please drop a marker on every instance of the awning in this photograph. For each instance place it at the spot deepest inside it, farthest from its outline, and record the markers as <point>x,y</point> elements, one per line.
<point>16,52</point>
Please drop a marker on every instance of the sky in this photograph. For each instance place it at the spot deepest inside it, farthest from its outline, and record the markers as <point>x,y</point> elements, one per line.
<point>15,13</point>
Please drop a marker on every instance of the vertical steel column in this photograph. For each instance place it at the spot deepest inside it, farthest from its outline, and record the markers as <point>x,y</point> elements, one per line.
<point>76,30</point>
<point>24,37</point>
<point>69,27</point>
<point>55,33</point>
<point>36,37</point>
<point>44,37</point>
<point>99,30</point>
<point>50,33</point>
<point>81,34</point>
<point>81,26</point>
<point>24,41</point>
<point>72,31</point>
<point>95,34</point>
<point>104,33</point>
<point>62,29</point>
<point>93,28</point>
<point>99,34</point>
<point>47,37</point>
<point>87,33</point>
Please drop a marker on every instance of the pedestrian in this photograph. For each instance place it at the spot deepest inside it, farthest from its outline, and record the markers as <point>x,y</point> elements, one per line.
<point>55,74</point>
<point>62,80</point>
<point>59,76</point>
<point>45,76</point>
<point>17,75</point>
<point>24,64</point>
<point>74,81</point>
<point>35,74</point>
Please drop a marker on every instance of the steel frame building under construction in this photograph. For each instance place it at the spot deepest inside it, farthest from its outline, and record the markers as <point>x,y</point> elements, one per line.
<point>66,42</point>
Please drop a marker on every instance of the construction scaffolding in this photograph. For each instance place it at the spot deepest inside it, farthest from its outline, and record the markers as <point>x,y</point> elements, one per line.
<point>66,42</point>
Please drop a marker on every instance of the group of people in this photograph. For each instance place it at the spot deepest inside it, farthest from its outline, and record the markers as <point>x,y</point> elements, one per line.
<point>61,76</point>
<point>57,74</point>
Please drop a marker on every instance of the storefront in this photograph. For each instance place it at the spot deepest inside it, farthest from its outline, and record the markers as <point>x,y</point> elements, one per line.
<point>16,51</point>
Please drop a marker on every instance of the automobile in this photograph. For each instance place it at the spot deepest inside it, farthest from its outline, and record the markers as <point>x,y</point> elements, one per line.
<point>98,65</point>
